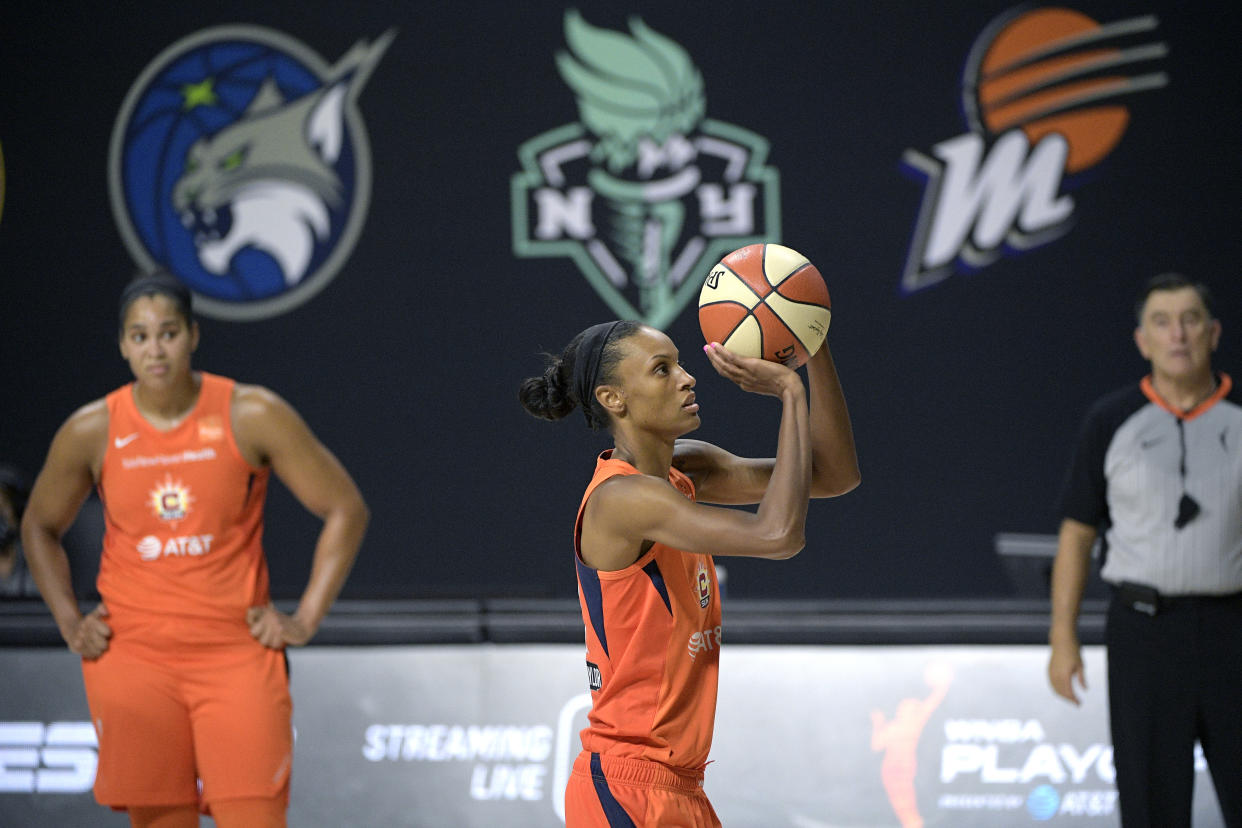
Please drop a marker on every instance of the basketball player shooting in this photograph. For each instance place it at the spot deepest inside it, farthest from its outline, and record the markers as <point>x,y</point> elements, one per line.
<point>645,542</point>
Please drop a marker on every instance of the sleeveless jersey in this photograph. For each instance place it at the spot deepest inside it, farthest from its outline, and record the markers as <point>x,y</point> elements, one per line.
<point>183,512</point>
<point>653,646</point>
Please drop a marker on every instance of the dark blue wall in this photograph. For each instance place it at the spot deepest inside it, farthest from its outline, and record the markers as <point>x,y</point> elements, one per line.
<point>965,395</point>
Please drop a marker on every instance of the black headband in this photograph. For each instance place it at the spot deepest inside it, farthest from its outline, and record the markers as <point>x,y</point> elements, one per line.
<point>587,359</point>
<point>156,283</point>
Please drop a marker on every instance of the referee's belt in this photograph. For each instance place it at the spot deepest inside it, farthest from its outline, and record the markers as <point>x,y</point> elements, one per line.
<point>1149,601</point>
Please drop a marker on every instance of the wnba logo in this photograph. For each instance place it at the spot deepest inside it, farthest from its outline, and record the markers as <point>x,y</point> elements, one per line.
<point>1044,95</point>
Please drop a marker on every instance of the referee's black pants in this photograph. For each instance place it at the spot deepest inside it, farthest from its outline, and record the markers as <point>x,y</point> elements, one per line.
<point>1173,678</point>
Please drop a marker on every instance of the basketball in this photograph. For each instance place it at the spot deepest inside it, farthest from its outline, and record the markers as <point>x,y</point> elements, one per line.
<point>768,301</point>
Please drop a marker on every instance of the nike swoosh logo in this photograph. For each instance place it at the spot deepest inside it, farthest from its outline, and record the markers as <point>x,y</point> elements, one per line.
<point>1149,443</point>
<point>122,442</point>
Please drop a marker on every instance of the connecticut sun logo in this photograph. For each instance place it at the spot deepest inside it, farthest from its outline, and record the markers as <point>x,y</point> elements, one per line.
<point>170,499</point>
<point>703,583</point>
<point>240,163</point>
<point>1044,94</point>
<point>645,191</point>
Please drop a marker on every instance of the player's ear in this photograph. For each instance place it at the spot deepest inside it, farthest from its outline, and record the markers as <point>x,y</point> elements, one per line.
<point>612,398</point>
<point>1140,342</point>
<point>194,336</point>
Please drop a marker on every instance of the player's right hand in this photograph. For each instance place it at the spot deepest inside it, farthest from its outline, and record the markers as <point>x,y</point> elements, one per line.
<point>759,376</point>
<point>1064,665</point>
<point>89,637</point>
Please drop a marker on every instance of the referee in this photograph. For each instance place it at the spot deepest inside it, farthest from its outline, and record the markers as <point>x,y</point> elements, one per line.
<point>1158,470</point>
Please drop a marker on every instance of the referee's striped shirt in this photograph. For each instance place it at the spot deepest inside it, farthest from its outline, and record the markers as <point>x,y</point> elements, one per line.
<point>1135,458</point>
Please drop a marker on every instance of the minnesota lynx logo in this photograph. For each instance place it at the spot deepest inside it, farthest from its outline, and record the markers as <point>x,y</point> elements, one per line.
<point>239,162</point>
<point>645,191</point>
<point>1043,94</point>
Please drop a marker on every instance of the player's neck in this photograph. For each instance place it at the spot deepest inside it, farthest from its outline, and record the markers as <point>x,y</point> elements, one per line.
<point>649,456</point>
<point>165,408</point>
<point>1184,393</point>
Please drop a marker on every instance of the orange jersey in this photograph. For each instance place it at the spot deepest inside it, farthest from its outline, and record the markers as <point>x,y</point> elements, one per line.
<point>183,512</point>
<point>653,646</point>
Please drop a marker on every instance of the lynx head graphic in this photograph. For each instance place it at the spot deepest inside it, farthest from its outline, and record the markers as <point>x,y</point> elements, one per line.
<point>240,163</point>
<point>266,181</point>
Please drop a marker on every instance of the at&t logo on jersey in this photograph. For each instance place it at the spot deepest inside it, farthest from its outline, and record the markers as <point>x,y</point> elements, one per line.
<point>704,641</point>
<point>703,583</point>
<point>645,190</point>
<point>151,548</point>
<point>240,163</point>
<point>1044,93</point>
<point>171,499</point>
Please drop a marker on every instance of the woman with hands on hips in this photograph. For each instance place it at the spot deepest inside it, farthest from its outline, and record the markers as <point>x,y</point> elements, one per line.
<point>183,660</point>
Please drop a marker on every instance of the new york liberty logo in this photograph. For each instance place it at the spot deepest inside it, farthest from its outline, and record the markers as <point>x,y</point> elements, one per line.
<point>1044,93</point>
<point>239,163</point>
<point>645,191</point>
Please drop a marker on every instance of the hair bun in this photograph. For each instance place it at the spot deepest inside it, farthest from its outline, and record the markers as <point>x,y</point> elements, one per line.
<point>548,396</point>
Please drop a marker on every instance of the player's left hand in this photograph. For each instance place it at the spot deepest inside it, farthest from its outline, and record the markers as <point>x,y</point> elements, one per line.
<point>758,376</point>
<point>275,629</point>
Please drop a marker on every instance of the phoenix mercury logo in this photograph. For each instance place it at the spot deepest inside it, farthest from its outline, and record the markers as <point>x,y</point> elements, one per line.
<point>240,163</point>
<point>645,190</point>
<point>1044,94</point>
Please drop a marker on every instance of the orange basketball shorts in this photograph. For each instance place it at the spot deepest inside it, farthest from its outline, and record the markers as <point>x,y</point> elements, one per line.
<point>610,792</point>
<point>176,701</point>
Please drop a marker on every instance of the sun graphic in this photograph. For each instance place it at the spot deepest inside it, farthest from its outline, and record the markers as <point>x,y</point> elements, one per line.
<point>1057,70</point>
<point>170,499</point>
